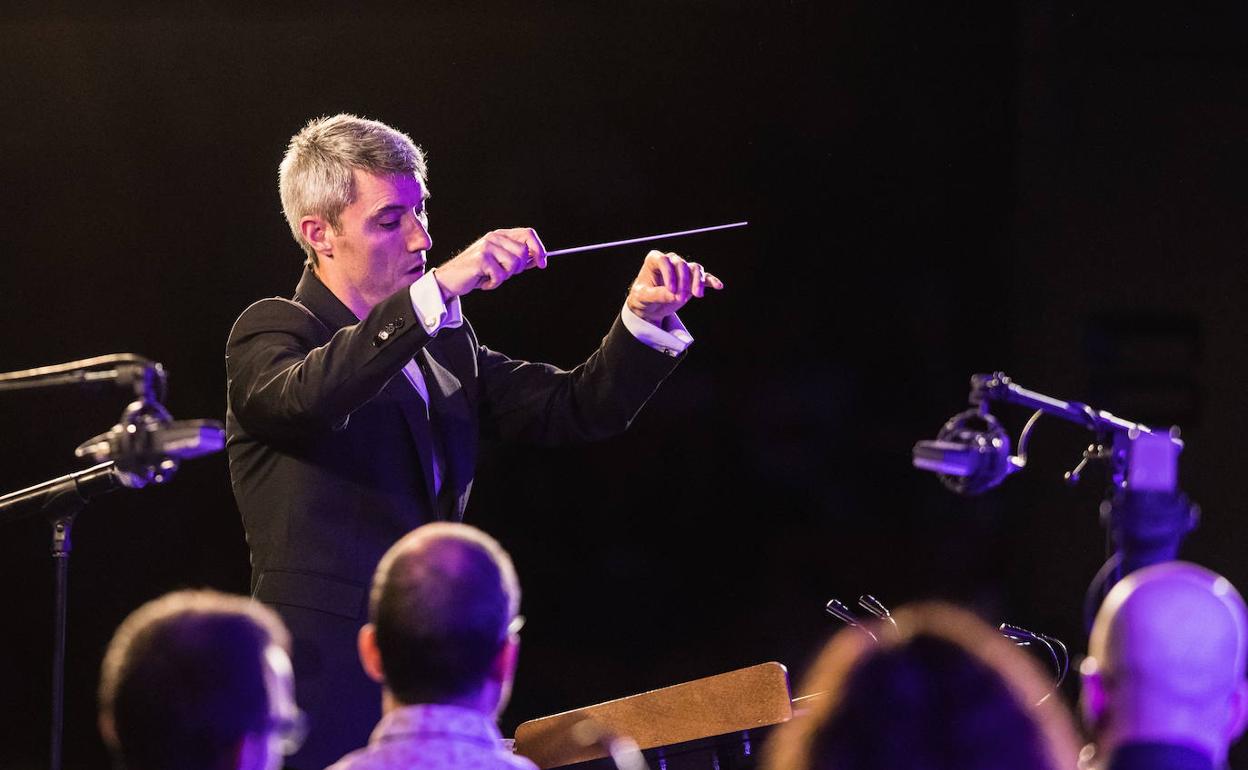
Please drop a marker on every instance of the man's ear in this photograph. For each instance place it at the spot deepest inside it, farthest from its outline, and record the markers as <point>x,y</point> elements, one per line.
<point>1092,695</point>
<point>503,668</point>
<point>108,731</point>
<point>370,654</point>
<point>318,234</point>
<point>1239,712</point>
<point>251,752</point>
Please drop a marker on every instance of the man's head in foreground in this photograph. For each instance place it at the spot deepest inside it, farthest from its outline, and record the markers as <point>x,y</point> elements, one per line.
<point>443,620</point>
<point>942,690</point>
<point>1166,662</point>
<point>199,680</point>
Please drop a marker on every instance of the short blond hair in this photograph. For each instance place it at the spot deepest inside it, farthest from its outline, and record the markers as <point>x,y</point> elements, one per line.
<point>316,176</point>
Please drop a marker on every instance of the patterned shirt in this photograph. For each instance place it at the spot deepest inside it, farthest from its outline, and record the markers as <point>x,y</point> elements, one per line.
<point>434,737</point>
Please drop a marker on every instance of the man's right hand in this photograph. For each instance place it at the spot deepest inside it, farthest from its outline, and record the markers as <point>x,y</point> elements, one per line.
<point>492,259</point>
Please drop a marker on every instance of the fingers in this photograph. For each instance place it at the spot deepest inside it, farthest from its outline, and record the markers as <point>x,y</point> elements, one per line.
<point>684,279</point>
<point>537,250</point>
<point>493,272</point>
<point>665,284</point>
<point>698,278</point>
<point>502,256</point>
<point>490,260</point>
<point>661,267</point>
<point>702,279</point>
<point>528,238</point>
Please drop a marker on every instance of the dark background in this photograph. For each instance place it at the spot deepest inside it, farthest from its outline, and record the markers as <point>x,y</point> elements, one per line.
<point>1053,189</point>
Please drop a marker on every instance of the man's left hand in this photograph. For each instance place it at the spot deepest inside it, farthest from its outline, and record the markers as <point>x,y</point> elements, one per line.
<point>666,282</point>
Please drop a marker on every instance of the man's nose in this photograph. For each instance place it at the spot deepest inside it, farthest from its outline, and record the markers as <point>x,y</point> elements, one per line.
<point>418,235</point>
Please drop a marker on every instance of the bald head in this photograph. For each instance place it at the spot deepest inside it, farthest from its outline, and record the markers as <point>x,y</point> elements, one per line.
<point>1167,656</point>
<point>441,604</point>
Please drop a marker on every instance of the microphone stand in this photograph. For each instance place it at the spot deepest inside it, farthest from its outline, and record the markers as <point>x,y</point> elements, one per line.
<point>986,388</point>
<point>61,499</point>
<point>1145,516</point>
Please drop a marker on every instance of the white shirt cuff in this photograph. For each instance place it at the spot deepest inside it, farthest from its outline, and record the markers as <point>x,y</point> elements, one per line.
<point>434,314</point>
<point>671,341</point>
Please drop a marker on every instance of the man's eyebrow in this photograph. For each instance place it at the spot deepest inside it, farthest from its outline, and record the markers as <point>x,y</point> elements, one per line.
<point>399,207</point>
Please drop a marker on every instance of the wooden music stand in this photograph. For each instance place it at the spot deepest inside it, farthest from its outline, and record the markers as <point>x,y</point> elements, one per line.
<point>737,701</point>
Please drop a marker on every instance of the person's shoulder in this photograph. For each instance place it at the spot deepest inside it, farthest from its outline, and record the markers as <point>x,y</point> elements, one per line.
<point>276,313</point>
<point>369,757</point>
<point>518,762</point>
<point>491,759</point>
<point>275,306</point>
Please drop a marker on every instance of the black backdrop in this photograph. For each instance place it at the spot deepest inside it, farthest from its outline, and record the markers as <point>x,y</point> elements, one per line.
<point>934,189</point>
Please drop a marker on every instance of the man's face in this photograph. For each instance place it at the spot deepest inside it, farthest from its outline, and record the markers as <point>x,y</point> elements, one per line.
<point>379,246</point>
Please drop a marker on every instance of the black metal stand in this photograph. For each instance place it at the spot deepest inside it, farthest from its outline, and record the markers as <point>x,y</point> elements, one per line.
<point>60,500</point>
<point>144,447</point>
<point>1142,528</point>
<point>61,546</point>
<point>1145,517</point>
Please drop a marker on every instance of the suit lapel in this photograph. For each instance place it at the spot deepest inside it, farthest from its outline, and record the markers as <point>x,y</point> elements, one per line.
<point>413,409</point>
<point>453,422</point>
<point>315,296</point>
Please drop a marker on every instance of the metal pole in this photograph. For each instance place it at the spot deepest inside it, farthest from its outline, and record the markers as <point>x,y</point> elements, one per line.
<point>61,546</point>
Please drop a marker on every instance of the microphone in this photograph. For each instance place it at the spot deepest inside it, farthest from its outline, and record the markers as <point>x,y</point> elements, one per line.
<point>971,454</point>
<point>180,439</point>
<point>147,445</point>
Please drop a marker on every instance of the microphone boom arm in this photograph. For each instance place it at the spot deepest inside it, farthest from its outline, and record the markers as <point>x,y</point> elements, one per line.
<point>971,454</point>
<point>998,387</point>
<point>986,388</point>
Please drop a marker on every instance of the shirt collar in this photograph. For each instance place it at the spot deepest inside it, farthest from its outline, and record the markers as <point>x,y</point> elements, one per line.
<point>437,719</point>
<point>317,297</point>
<point>1150,756</point>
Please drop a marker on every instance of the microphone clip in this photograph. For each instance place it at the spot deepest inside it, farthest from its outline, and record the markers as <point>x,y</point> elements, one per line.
<point>147,445</point>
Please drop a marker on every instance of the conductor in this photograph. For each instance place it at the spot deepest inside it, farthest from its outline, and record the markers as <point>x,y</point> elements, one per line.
<point>355,407</point>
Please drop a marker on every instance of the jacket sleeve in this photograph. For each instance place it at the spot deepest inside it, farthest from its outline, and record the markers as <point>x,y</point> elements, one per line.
<point>284,379</point>
<point>543,404</point>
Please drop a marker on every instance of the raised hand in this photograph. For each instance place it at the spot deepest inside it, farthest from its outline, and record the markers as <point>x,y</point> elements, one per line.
<point>666,282</point>
<point>491,260</point>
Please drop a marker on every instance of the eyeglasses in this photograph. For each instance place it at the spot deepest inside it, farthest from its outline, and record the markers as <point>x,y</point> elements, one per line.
<point>515,625</point>
<point>290,730</point>
<point>1021,637</point>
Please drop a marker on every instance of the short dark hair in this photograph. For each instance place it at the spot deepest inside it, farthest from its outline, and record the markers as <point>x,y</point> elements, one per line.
<point>183,679</point>
<point>441,602</point>
<point>942,691</point>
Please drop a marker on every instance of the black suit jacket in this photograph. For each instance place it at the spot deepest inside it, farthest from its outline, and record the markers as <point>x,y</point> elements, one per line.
<point>330,450</point>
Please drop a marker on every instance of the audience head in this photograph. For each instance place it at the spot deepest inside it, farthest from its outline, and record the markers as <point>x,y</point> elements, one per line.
<point>443,619</point>
<point>1166,661</point>
<point>941,691</point>
<point>199,680</point>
